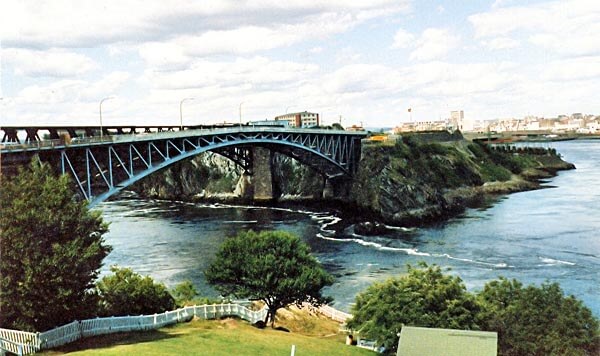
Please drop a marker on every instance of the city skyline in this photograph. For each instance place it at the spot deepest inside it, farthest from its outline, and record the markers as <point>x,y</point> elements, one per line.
<point>366,61</point>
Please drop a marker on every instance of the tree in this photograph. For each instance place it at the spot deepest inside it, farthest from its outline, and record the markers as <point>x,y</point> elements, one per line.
<point>184,293</point>
<point>51,248</point>
<point>273,266</point>
<point>538,321</point>
<point>424,297</point>
<point>128,293</point>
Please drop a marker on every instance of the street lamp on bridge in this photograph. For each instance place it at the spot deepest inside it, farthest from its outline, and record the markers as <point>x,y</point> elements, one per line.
<point>101,101</point>
<point>241,114</point>
<point>181,112</point>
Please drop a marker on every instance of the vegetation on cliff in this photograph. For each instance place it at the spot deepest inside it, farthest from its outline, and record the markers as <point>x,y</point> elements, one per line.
<point>411,181</point>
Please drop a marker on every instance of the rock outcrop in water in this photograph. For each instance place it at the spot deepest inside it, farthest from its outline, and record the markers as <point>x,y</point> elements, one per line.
<point>409,182</point>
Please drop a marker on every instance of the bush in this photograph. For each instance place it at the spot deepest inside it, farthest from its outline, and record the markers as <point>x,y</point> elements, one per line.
<point>128,293</point>
<point>529,320</point>
<point>537,320</point>
<point>184,293</point>
<point>424,297</point>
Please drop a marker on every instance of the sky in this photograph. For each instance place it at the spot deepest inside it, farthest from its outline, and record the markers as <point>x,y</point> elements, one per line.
<point>364,61</point>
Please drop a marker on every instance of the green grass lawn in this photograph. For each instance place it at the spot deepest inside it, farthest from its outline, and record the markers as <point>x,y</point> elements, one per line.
<point>311,335</point>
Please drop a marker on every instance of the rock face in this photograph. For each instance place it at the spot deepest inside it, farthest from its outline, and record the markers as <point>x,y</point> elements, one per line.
<point>414,182</point>
<point>207,175</point>
<point>213,177</point>
<point>410,182</point>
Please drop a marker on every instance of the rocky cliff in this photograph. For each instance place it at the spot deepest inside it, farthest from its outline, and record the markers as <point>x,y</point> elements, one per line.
<point>413,182</point>
<point>210,176</point>
<point>410,181</point>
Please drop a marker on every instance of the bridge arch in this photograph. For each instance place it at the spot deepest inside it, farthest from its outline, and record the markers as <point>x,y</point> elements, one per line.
<point>102,170</point>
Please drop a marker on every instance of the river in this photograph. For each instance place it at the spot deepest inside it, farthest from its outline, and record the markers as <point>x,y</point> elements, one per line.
<point>544,235</point>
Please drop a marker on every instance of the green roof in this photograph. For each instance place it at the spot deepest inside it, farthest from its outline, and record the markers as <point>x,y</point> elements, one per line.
<point>415,341</point>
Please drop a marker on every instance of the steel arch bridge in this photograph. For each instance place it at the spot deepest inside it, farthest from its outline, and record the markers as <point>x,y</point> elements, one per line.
<point>103,166</point>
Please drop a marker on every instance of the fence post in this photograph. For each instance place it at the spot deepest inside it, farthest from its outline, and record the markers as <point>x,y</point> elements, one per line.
<point>38,342</point>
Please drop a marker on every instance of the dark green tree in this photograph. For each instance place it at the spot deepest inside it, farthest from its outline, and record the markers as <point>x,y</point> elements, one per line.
<point>273,266</point>
<point>184,293</point>
<point>423,297</point>
<point>128,293</point>
<point>51,248</point>
<point>538,320</point>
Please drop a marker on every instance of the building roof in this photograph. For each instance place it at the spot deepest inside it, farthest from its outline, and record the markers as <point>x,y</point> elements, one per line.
<point>416,341</point>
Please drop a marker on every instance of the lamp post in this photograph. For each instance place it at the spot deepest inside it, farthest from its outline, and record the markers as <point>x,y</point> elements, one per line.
<point>101,101</point>
<point>241,114</point>
<point>181,112</point>
<point>286,109</point>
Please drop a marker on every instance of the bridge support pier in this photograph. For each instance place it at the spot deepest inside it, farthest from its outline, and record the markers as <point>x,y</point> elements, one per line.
<point>338,188</point>
<point>262,179</point>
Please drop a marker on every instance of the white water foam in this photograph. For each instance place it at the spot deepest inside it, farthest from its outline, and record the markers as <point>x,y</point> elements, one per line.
<point>553,262</point>
<point>325,220</point>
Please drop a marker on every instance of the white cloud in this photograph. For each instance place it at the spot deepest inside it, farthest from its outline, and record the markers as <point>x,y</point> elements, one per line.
<point>568,27</point>
<point>70,90</point>
<point>572,69</point>
<point>89,23</point>
<point>434,43</point>
<point>241,73</point>
<point>51,63</point>
<point>403,39</point>
<point>500,43</point>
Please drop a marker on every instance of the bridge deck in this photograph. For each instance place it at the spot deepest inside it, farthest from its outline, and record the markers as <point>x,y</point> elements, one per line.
<point>53,144</point>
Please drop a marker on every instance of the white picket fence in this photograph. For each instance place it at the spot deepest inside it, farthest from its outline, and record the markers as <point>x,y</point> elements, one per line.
<point>334,314</point>
<point>24,343</point>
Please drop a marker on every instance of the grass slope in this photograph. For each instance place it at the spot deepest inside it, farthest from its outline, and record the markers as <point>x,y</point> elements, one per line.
<point>312,336</point>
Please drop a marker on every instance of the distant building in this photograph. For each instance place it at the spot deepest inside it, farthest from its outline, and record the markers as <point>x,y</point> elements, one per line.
<point>422,126</point>
<point>355,128</point>
<point>458,121</point>
<point>299,119</point>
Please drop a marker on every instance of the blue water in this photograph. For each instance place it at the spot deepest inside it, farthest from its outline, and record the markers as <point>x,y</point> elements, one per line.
<point>550,234</point>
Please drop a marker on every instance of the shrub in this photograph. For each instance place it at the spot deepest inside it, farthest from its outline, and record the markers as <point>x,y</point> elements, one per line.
<point>128,293</point>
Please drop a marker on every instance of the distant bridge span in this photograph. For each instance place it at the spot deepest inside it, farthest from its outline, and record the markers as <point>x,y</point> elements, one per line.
<point>103,166</point>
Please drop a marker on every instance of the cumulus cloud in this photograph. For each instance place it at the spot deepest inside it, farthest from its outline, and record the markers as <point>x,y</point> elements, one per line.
<point>500,43</point>
<point>240,73</point>
<point>403,39</point>
<point>434,43</point>
<point>89,23</point>
<point>568,27</point>
<point>52,63</point>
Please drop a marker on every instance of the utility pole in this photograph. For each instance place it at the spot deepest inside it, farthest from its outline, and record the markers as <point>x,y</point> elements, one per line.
<point>241,114</point>
<point>181,112</point>
<point>101,101</point>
